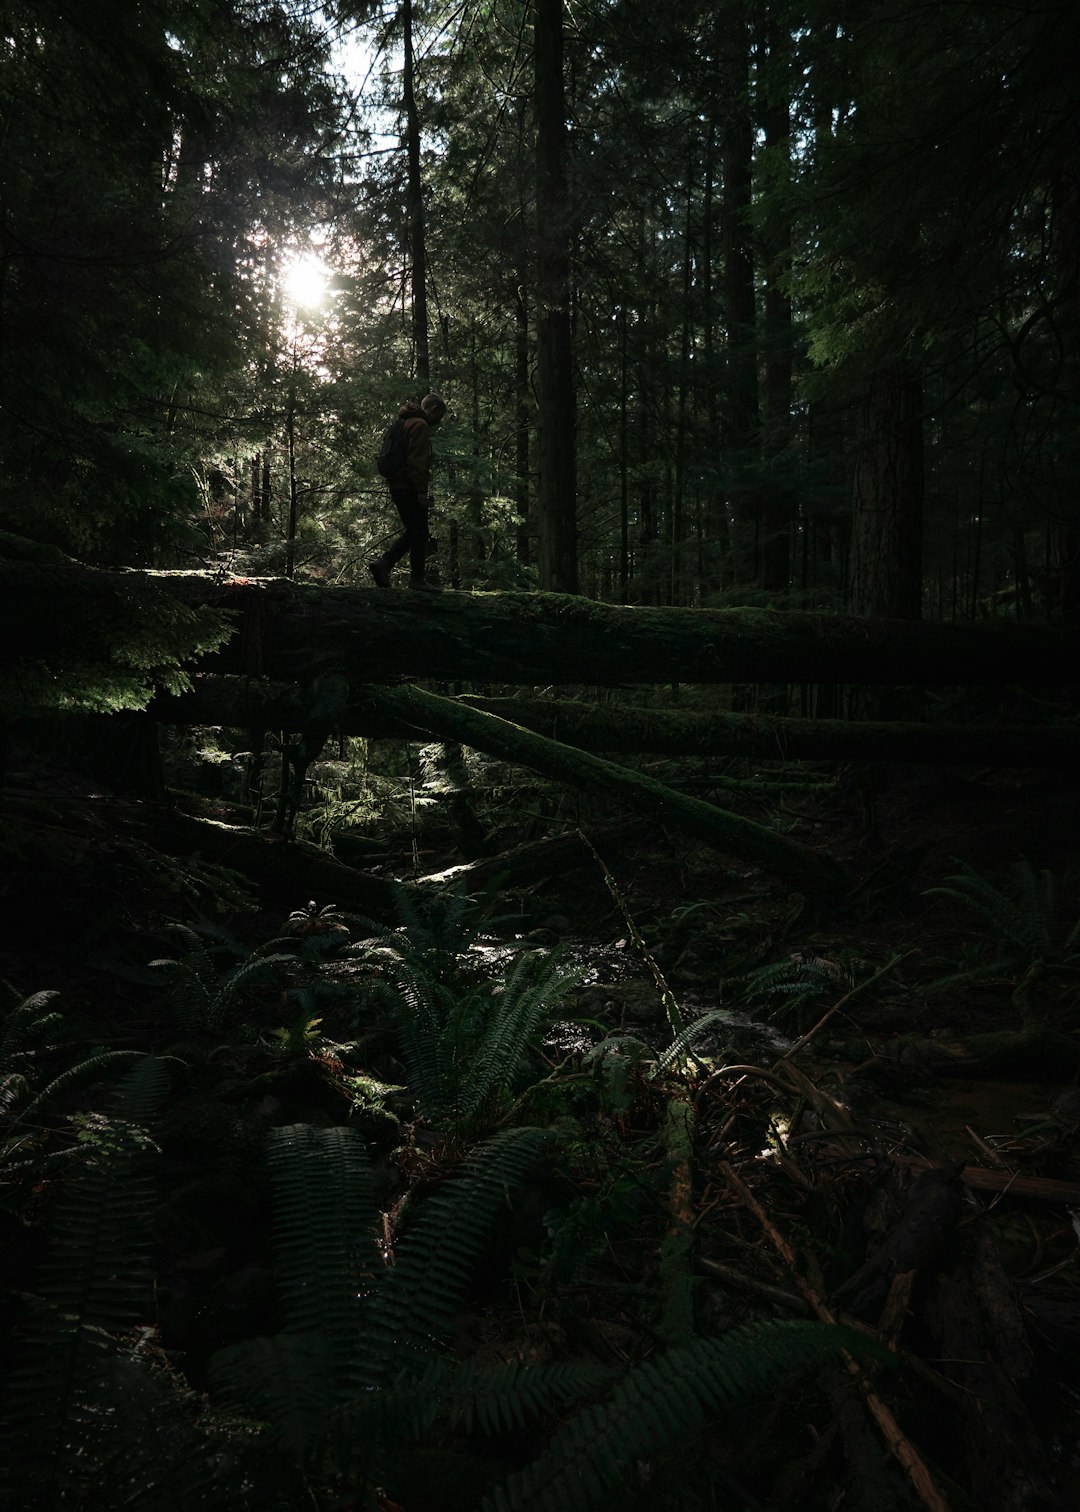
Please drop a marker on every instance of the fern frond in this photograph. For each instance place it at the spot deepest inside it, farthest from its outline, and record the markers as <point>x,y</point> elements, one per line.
<point>983,897</point>
<point>1020,912</point>
<point>534,985</point>
<point>286,1383</point>
<point>660,1405</point>
<point>95,1280</point>
<point>436,1260</point>
<point>427,1013</point>
<point>256,968</point>
<point>141,1093</point>
<point>1036,894</point>
<point>13,1088</point>
<point>685,1038</point>
<point>499,1398</point>
<point>147,1452</point>
<point>80,1072</point>
<point>25,1025</point>
<point>628,1046</point>
<point>323,1202</point>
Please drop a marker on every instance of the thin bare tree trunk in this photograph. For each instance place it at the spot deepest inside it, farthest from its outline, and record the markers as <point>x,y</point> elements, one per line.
<point>557,482</point>
<point>886,545</point>
<point>415,206</point>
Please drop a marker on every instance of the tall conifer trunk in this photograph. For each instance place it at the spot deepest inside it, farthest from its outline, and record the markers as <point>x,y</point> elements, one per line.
<point>886,531</point>
<point>520,292</point>
<point>557,480</point>
<point>739,420</point>
<point>415,206</point>
<point>521,404</point>
<point>777,503</point>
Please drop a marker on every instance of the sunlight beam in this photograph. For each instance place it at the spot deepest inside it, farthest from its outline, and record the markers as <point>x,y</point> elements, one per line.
<point>306,280</point>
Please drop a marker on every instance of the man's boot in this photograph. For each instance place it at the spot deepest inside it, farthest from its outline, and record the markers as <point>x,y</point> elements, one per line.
<point>380,572</point>
<point>422,585</point>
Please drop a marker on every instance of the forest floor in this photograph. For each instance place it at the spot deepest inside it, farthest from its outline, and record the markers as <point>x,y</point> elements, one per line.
<point>878,1123</point>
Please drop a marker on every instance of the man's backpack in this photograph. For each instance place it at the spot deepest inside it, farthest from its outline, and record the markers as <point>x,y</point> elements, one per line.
<point>391,458</point>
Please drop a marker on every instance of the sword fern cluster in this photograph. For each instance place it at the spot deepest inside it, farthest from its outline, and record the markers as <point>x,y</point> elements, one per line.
<point>465,1031</point>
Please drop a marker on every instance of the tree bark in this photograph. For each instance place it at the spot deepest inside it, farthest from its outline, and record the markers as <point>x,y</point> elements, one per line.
<point>778,498</point>
<point>291,631</point>
<point>739,415</point>
<point>809,873</point>
<point>242,702</point>
<point>415,199</point>
<point>287,872</point>
<point>538,859</point>
<point>557,475</point>
<point>886,531</point>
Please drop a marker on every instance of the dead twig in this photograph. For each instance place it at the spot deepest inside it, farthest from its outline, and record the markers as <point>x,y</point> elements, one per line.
<point>901,1447</point>
<point>751,1285</point>
<point>800,1044</point>
<point>1038,1188</point>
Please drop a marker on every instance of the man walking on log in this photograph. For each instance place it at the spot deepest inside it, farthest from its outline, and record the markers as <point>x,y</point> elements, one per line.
<point>409,481</point>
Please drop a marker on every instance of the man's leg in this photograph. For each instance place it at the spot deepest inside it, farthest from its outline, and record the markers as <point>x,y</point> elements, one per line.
<point>418,538</point>
<point>406,504</point>
<point>413,509</point>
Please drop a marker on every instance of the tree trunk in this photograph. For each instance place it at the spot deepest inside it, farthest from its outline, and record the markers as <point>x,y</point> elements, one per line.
<point>809,873</point>
<point>521,405</point>
<point>530,863</point>
<point>886,544</point>
<point>739,415</point>
<point>557,480</point>
<point>415,206</point>
<point>289,631</point>
<point>778,500</point>
<point>244,702</point>
<point>288,872</point>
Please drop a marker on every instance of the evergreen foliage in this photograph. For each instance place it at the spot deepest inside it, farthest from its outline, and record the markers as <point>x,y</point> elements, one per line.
<point>659,1407</point>
<point>95,1283</point>
<point>464,1036</point>
<point>1022,912</point>
<point>165,401</point>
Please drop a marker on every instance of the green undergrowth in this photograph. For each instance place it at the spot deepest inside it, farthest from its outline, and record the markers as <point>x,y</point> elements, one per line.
<point>240,1252</point>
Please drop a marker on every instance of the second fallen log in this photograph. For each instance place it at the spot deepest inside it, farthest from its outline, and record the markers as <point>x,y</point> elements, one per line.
<point>429,715</point>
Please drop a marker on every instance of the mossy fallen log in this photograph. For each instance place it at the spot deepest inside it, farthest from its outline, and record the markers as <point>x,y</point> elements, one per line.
<point>284,630</point>
<point>537,859</point>
<point>246,702</point>
<point>288,873</point>
<point>430,716</point>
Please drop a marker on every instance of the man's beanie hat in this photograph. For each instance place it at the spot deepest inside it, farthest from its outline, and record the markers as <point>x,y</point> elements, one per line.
<point>433,404</point>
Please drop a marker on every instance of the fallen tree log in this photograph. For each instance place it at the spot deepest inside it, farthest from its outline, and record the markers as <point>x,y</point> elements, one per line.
<point>286,872</point>
<point>285,630</point>
<point>537,859</point>
<point>810,873</point>
<point>254,703</point>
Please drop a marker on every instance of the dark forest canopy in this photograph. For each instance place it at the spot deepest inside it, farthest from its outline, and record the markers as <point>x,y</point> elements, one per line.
<point>821,264</point>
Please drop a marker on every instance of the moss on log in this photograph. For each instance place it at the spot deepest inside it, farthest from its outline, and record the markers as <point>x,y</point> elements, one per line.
<point>431,716</point>
<point>248,702</point>
<point>285,629</point>
<point>287,872</point>
<point>537,859</point>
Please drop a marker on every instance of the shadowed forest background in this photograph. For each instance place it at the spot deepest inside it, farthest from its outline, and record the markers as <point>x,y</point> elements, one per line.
<point>605,1034</point>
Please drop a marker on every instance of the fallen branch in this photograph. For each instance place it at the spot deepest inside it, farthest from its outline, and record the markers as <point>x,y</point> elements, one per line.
<point>979,1179</point>
<point>537,859</point>
<point>815,876</point>
<point>801,1044</point>
<point>248,702</point>
<point>677,1324</point>
<point>899,1445</point>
